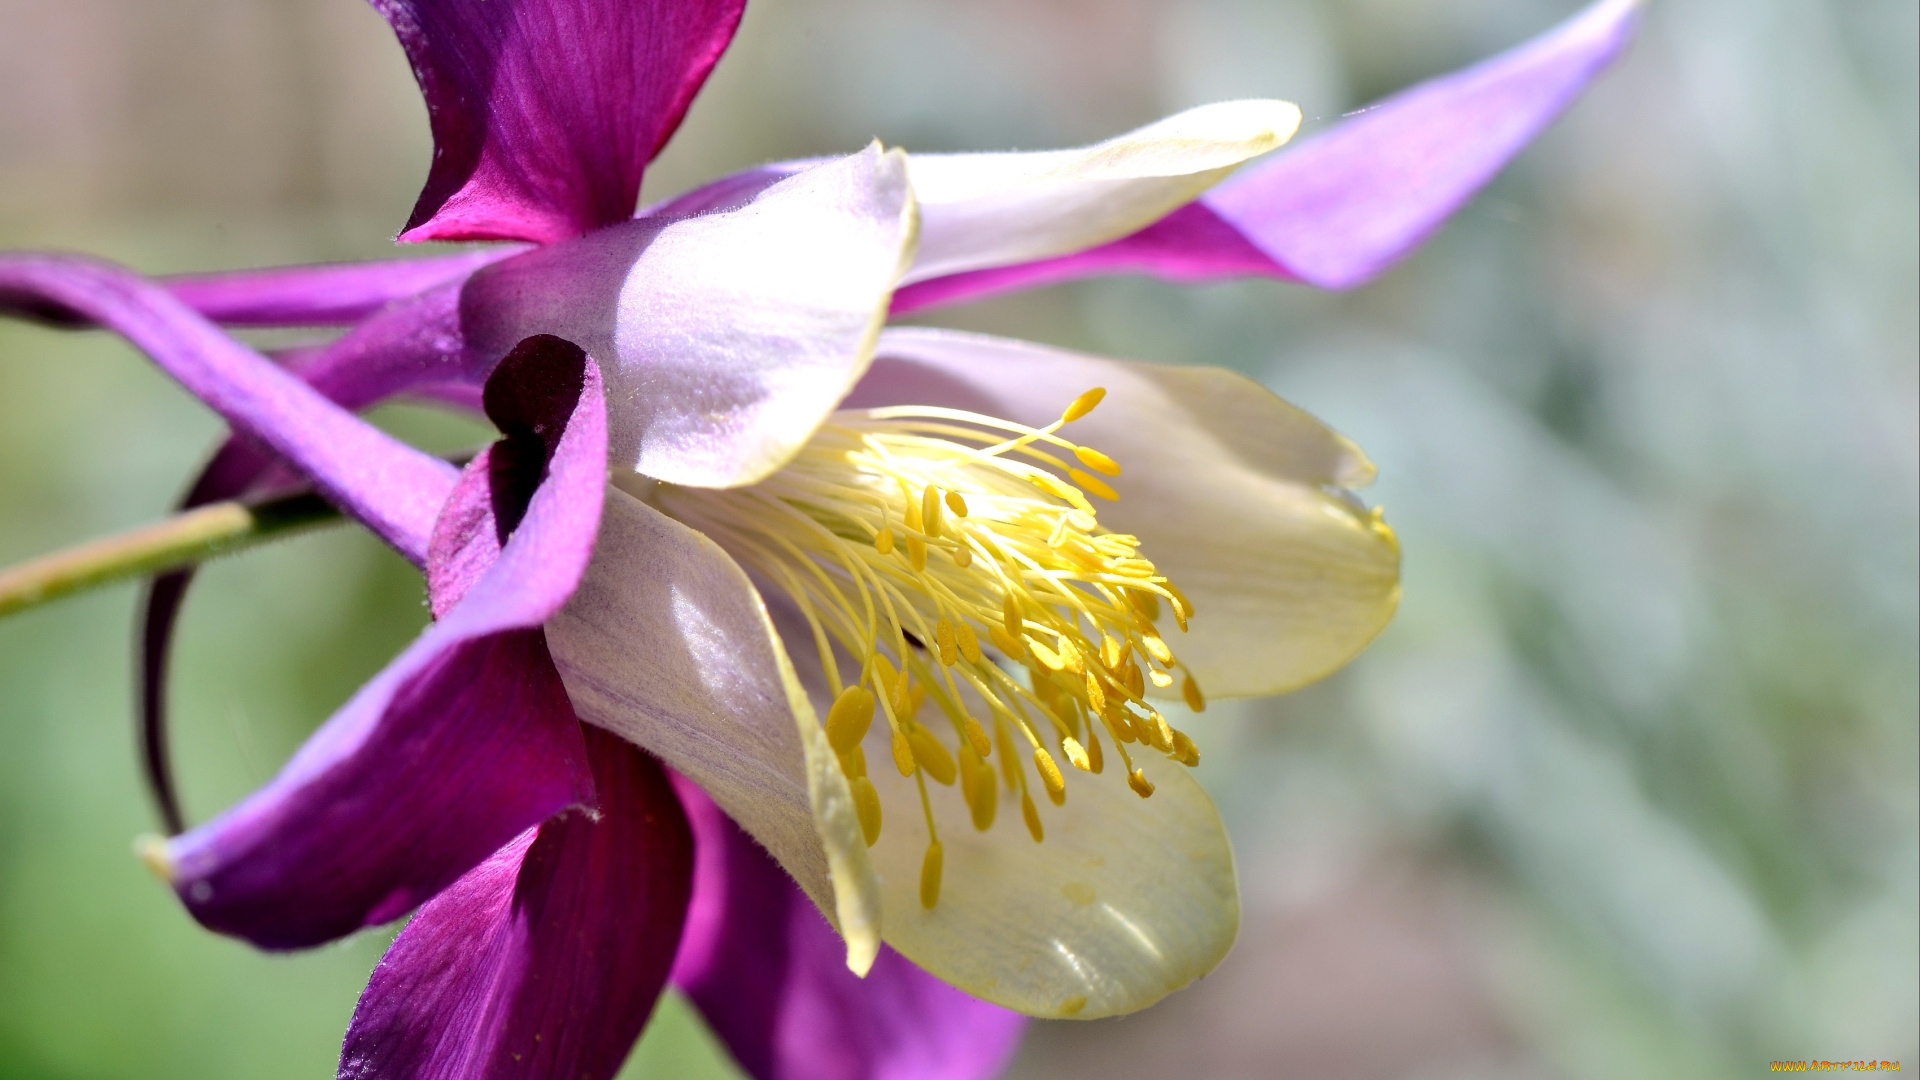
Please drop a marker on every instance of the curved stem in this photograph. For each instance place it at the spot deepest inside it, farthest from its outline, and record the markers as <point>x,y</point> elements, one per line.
<point>183,540</point>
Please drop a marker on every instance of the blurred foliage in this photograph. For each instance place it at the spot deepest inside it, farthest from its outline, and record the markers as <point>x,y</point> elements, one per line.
<point>1639,752</point>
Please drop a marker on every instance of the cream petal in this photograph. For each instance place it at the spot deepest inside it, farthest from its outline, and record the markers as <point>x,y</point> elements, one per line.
<point>1237,496</point>
<point>667,644</point>
<point>1126,900</point>
<point>724,338</point>
<point>982,210</point>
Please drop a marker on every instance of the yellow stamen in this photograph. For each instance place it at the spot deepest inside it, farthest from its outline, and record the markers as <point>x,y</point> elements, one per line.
<point>1190,690</point>
<point>1050,777</point>
<point>979,788</point>
<point>1097,461</point>
<point>1138,781</point>
<point>930,875</point>
<point>846,530</point>
<point>1093,483</point>
<point>866,802</point>
<point>848,720</point>
<point>932,757</point>
<point>1083,404</point>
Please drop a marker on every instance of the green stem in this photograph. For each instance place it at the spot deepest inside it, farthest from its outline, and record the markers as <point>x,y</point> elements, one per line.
<point>185,539</point>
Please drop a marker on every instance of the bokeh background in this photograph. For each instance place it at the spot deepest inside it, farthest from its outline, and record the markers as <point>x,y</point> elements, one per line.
<point>1627,790</point>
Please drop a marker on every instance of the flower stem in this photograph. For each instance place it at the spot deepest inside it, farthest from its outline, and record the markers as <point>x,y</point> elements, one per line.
<point>189,537</point>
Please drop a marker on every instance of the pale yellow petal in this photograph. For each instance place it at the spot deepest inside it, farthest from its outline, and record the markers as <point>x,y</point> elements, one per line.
<point>1238,497</point>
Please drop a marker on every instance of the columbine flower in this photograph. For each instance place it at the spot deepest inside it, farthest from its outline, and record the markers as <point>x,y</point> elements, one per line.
<point>896,606</point>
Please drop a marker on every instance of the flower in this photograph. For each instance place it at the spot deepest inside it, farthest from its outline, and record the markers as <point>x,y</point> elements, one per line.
<point>814,522</point>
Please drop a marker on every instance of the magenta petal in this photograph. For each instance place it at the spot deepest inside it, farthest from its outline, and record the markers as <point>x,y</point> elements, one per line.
<point>330,295</point>
<point>545,113</point>
<point>458,746</point>
<point>1338,209</point>
<point>770,976</point>
<point>465,740</point>
<point>391,487</point>
<point>545,960</point>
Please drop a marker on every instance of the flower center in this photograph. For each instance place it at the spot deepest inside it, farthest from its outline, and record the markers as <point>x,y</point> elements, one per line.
<point>907,535</point>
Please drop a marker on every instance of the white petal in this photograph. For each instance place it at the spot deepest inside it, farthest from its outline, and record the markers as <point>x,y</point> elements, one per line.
<point>726,338</point>
<point>981,210</point>
<point>667,644</point>
<point>1237,496</point>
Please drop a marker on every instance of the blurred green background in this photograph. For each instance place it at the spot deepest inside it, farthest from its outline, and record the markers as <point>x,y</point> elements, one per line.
<point>1628,789</point>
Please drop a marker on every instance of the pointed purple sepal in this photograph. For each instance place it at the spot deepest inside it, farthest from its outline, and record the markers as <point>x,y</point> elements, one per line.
<point>770,976</point>
<point>545,113</point>
<point>468,738</point>
<point>1340,208</point>
<point>545,960</point>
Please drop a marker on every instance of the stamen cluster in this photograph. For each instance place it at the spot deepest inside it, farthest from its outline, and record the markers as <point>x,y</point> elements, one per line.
<point>905,536</point>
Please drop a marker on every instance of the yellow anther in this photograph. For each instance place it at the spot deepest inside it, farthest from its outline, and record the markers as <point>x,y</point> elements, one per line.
<point>854,762</point>
<point>1182,608</point>
<point>1032,815</point>
<point>917,556</point>
<point>932,757</point>
<point>977,784</point>
<point>1190,690</point>
<point>916,698</point>
<point>957,504</point>
<point>1121,724</point>
<point>1097,461</point>
<point>849,718</point>
<point>1129,674</point>
<point>977,737</point>
<point>1160,678</point>
<point>963,556</point>
<point>1113,652</point>
<point>930,511</point>
<point>866,803</point>
<point>969,644</point>
<point>1184,751</point>
<point>1050,777</point>
<point>1096,696</point>
<point>1076,753</point>
<point>153,854</point>
<point>883,543</point>
<point>902,754</point>
<point>949,645</point>
<point>1138,781</point>
<point>1096,759</point>
<point>1012,647</point>
<point>1158,733</point>
<point>1157,648</point>
<point>930,876</point>
<point>1093,483</point>
<point>1083,404</point>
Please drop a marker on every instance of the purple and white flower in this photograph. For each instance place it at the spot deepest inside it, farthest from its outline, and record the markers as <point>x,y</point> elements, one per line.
<point>737,526</point>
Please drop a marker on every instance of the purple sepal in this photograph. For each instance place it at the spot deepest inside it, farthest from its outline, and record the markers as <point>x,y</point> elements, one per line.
<point>546,959</point>
<point>545,113</point>
<point>391,487</point>
<point>770,976</point>
<point>1346,205</point>
<point>339,294</point>
<point>1342,207</point>
<point>465,740</point>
